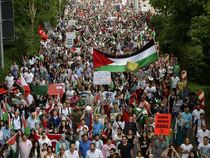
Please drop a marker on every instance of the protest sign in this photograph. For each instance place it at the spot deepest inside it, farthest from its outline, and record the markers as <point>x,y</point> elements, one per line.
<point>162,124</point>
<point>55,89</point>
<point>102,78</point>
<point>69,39</point>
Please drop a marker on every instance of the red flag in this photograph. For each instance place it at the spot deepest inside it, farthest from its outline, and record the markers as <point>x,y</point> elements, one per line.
<point>54,138</point>
<point>36,137</point>
<point>42,33</point>
<point>12,140</point>
<point>126,115</point>
<point>91,123</point>
<point>55,89</point>
<point>97,97</point>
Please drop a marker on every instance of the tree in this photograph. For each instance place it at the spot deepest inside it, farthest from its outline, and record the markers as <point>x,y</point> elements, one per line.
<point>183,29</point>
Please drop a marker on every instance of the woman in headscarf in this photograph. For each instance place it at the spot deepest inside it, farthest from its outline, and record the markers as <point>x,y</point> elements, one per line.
<point>63,142</point>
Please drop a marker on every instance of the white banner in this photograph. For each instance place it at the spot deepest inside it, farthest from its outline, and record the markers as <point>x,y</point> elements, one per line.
<point>102,78</point>
<point>69,40</point>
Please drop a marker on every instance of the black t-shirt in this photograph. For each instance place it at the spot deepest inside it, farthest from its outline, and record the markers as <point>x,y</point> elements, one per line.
<point>125,150</point>
<point>144,145</point>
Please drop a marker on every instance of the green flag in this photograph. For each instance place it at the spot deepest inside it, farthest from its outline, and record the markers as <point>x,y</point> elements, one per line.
<point>40,90</point>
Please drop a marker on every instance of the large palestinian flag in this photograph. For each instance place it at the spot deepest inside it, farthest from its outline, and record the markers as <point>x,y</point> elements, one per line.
<point>117,63</point>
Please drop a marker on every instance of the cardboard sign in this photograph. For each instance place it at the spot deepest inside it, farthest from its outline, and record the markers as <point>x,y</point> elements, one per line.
<point>162,124</point>
<point>69,39</point>
<point>102,78</point>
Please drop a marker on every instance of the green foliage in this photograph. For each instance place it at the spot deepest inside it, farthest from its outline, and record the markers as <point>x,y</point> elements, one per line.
<point>183,28</point>
<point>194,87</point>
<point>26,32</point>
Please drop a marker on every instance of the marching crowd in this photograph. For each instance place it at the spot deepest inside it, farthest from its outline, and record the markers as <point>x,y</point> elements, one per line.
<point>87,120</point>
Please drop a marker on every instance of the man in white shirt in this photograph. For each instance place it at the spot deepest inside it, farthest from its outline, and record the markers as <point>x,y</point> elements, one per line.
<point>204,148</point>
<point>17,122</point>
<point>202,133</point>
<point>44,139</point>
<point>196,113</point>
<point>9,80</point>
<point>170,69</point>
<point>150,89</point>
<point>71,152</point>
<point>93,152</point>
<point>175,79</point>
<point>29,76</point>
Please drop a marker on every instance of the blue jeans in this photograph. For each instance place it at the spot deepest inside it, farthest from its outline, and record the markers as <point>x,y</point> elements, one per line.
<point>186,132</point>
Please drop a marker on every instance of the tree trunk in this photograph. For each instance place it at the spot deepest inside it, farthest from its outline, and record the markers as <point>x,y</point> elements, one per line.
<point>32,10</point>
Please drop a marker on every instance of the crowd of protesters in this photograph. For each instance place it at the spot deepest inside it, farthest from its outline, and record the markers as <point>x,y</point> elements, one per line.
<point>89,117</point>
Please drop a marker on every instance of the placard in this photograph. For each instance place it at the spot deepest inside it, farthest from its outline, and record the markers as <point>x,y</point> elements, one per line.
<point>162,124</point>
<point>102,78</point>
<point>69,39</point>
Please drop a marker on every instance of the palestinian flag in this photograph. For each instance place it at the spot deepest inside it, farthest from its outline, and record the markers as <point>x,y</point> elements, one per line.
<point>140,116</point>
<point>108,62</point>
<point>25,126</point>
<point>5,115</point>
<point>11,125</point>
<point>112,84</point>
<point>76,50</point>
<point>97,97</point>
<point>12,144</point>
<point>126,115</point>
<point>37,114</point>
<point>26,90</point>
<point>98,108</point>
<point>164,102</point>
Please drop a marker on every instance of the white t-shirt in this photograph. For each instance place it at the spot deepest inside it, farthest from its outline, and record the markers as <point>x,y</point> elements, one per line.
<point>196,113</point>
<point>170,69</point>
<point>68,154</point>
<point>150,90</point>
<point>65,111</point>
<point>162,72</point>
<point>186,148</point>
<point>96,154</point>
<point>174,81</point>
<point>202,134</point>
<point>10,81</point>
<point>204,149</point>
<point>29,77</point>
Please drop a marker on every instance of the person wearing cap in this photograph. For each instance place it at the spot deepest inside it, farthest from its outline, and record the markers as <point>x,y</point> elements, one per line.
<point>93,152</point>
<point>88,116</point>
<point>63,142</point>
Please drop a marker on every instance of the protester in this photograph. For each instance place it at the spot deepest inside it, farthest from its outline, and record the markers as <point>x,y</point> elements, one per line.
<point>53,98</point>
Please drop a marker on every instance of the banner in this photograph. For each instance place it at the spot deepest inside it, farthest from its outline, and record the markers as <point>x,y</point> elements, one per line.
<point>69,40</point>
<point>162,124</point>
<point>55,89</point>
<point>40,90</point>
<point>102,78</point>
